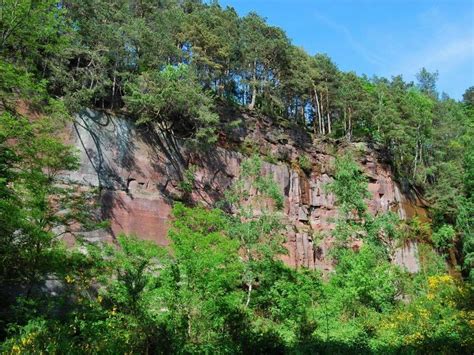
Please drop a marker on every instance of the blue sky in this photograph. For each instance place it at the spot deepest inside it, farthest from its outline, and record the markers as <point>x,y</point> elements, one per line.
<point>382,37</point>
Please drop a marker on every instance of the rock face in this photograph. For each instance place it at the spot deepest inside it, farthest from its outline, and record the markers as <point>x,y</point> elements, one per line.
<point>138,172</point>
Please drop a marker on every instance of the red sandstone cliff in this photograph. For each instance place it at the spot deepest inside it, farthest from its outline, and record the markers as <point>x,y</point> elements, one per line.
<point>139,172</point>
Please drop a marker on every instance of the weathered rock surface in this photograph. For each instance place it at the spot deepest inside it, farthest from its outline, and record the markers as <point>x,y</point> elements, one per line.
<point>139,172</point>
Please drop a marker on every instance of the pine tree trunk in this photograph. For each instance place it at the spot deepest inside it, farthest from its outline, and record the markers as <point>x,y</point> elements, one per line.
<point>318,107</point>
<point>345,121</point>
<point>249,292</point>
<point>323,124</point>
<point>303,119</point>
<point>329,124</point>
<point>327,108</point>
<point>296,110</point>
<point>254,87</point>
<point>254,94</point>
<point>350,124</point>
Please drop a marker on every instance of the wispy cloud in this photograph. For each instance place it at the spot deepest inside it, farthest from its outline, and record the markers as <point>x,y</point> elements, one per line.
<point>445,52</point>
<point>431,40</point>
<point>446,55</point>
<point>354,43</point>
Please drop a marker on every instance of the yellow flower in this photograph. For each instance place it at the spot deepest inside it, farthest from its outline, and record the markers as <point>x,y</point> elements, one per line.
<point>69,279</point>
<point>424,313</point>
<point>414,338</point>
<point>435,281</point>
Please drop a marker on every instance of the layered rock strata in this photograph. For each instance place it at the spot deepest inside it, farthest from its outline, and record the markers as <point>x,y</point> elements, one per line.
<point>139,171</point>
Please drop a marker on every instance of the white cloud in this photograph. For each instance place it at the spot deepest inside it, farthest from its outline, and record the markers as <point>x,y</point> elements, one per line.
<point>444,54</point>
<point>354,43</point>
<point>431,39</point>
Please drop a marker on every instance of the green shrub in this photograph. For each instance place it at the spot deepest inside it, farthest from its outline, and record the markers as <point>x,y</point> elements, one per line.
<point>443,238</point>
<point>187,184</point>
<point>305,163</point>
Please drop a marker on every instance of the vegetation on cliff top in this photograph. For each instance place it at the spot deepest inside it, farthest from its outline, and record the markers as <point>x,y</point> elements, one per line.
<point>168,64</point>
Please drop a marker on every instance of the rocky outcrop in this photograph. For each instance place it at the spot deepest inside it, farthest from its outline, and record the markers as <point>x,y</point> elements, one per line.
<point>139,171</point>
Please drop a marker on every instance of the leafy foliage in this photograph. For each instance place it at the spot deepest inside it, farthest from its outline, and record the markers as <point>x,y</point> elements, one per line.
<point>349,187</point>
<point>173,100</point>
<point>305,164</point>
<point>220,287</point>
<point>444,237</point>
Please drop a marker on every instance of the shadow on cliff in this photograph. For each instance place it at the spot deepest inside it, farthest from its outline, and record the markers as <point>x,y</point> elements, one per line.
<point>163,143</point>
<point>108,143</point>
<point>114,148</point>
<point>222,167</point>
<point>172,157</point>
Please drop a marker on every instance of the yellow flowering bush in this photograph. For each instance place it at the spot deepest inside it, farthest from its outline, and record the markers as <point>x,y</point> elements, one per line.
<point>435,319</point>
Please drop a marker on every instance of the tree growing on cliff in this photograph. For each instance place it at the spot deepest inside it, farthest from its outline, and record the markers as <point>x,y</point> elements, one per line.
<point>173,100</point>
<point>427,82</point>
<point>256,224</point>
<point>350,188</point>
<point>210,33</point>
<point>468,96</point>
<point>263,52</point>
